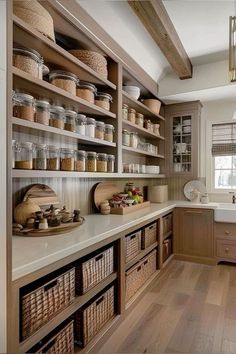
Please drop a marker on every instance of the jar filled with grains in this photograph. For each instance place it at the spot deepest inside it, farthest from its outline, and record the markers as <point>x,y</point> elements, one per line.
<point>80,122</point>
<point>40,157</point>
<point>109,133</point>
<point>57,116</point>
<point>100,130</point>
<point>110,163</point>
<point>29,61</point>
<point>24,156</point>
<point>134,140</point>
<point>70,120</point>
<point>90,127</point>
<point>125,137</point>
<point>42,114</point>
<point>139,119</point>
<point>80,159</point>
<point>125,111</point>
<point>13,152</point>
<point>67,160</point>
<point>86,90</point>
<point>23,106</point>
<point>101,162</point>
<point>103,100</point>
<point>64,80</point>
<point>131,115</point>
<point>156,128</point>
<point>91,163</point>
<point>53,158</point>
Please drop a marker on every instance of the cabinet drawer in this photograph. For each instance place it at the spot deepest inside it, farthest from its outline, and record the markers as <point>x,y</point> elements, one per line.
<point>226,249</point>
<point>225,229</point>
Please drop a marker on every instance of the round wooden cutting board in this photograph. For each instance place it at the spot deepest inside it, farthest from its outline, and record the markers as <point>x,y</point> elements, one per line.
<point>105,190</point>
<point>42,195</point>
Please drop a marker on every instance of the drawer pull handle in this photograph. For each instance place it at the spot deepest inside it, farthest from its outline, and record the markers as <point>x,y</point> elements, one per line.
<point>227,250</point>
<point>151,227</point>
<point>99,300</point>
<point>99,257</point>
<point>227,232</point>
<point>51,285</point>
<point>139,268</point>
<point>146,262</point>
<point>132,237</point>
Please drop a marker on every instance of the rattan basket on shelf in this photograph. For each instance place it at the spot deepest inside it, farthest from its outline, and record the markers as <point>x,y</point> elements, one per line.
<point>132,245</point>
<point>149,235</point>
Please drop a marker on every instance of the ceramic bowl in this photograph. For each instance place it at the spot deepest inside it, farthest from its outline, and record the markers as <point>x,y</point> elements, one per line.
<point>133,91</point>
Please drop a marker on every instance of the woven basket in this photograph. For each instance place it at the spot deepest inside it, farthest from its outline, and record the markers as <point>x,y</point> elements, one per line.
<point>94,60</point>
<point>167,223</point>
<point>35,15</point>
<point>149,235</point>
<point>93,271</point>
<point>39,306</point>
<point>166,249</point>
<point>62,342</point>
<point>132,246</point>
<point>90,320</point>
<point>139,274</point>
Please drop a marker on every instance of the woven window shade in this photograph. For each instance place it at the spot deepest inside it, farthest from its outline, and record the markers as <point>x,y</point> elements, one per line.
<point>224,139</point>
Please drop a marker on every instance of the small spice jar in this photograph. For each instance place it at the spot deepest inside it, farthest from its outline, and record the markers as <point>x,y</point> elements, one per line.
<point>80,159</point>
<point>156,129</point>
<point>23,106</point>
<point>24,156</point>
<point>80,122</point>
<point>147,124</point>
<point>103,100</point>
<point>111,163</point>
<point>109,133</point>
<point>125,137</point>
<point>67,160</point>
<point>151,127</point>
<point>101,162</point>
<point>86,90</point>
<point>57,117</point>
<point>64,80</point>
<point>40,157</point>
<point>125,111</point>
<point>100,130</point>
<point>134,140</point>
<point>139,119</point>
<point>13,153</point>
<point>28,60</point>
<point>42,114</point>
<point>53,158</point>
<point>90,127</point>
<point>70,120</point>
<point>91,163</point>
<point>131,115</point>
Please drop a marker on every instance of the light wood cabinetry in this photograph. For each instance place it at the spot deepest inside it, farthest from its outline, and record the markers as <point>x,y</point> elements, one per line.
<point>225,240</point>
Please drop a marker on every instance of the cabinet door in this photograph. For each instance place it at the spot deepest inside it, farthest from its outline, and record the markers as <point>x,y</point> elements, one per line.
<point>194,232</point>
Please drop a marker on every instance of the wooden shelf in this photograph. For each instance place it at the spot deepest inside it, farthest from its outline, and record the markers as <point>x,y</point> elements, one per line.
<point>53,53</point>
<point>63,315</point>
<point>142,254</point>
<point>141,152</point>
<point>142,131</point>
<point>25,81</point>
<point>141,175</point>
<point>32,128</point>
<point>167,235</point>
<point>140,107</point>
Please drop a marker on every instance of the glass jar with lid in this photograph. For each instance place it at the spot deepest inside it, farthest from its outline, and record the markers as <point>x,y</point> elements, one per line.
<point>23,106</point>
<point>125,137</point>
<point>40,157</point>
<point>101,162</point>
<point>134,140</point>
<point>86,90</point>
<point>125,111</point>
<point>91,163</point>
<point>90,127</point>
<point>24,156</point>
<point>28,60</point>
<point>42,114</point>
<point>131,115</point>
<point>70,120</point>
<point>103,100</point>
<point>147,124</point>
<point>64,80</point>
<point>139,119</point>
<point>156,128</point>
<point>80,159</point>
<point>80,122</point>
<point>57,117</point>
<point>110,163</point>
<point>67,159</point>
<point>109,133</point>
<point>53,158</point>
<point>100,130</point>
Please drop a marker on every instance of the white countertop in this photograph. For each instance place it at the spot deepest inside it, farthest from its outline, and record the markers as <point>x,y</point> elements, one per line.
<point>33,253</point>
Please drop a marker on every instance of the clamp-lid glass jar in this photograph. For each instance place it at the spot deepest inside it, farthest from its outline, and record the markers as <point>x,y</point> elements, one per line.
<point>23,106</point>
<point>86,90</point>
<point>139,119</point>
<point>91,163</point>
<point>80,122</point>
<point>64,80</point>
<point>53,158</point>
<point>100,130</point>
<point>109,133</point>
<point>80,159</point>
<point>110,163</point>
<point>101,162</point>
<point>131,115</point>
<point>40,157</point>
<point>24,156</point>
<point>125,137</point>
<point>90,127</point>
<point>103,100</point>
<point>134,140</point>
<point>57,117</point>
<point>125,111</point>
<point>70,120</point>
<point>42,114</point>
<point>28,60</point>
<point>67,159</point>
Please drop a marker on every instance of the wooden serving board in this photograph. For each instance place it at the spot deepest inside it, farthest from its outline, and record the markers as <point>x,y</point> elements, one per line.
<point>130,209</point>
<point>42,195</point>
<point>104,191</point>
<point>52,231</point>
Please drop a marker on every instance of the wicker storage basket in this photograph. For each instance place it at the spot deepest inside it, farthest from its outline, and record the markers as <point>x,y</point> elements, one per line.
<point>139,274</point>
<point>166,249</point>
<point>35,15</point>
<point>167,223</point>
<point>132,245</point>
<point>93,271</point>
<point>39,306</point>
<point>149,235</point>
<point>94,60</point>
<point>90,320</point>
<point>62,342</point>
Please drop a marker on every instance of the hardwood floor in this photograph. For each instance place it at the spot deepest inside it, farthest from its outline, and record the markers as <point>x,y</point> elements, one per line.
<point>190,309</point>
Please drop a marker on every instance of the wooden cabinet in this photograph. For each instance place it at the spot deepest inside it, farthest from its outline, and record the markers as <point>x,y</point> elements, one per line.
<point>183,125</point>
<point>225,239</point>
<point>193,234</point>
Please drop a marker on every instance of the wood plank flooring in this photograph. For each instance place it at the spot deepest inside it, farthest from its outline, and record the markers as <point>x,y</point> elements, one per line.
<point>191,309</point>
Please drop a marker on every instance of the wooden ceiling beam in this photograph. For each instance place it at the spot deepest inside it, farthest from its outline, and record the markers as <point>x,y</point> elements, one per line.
<point>155,18</point>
